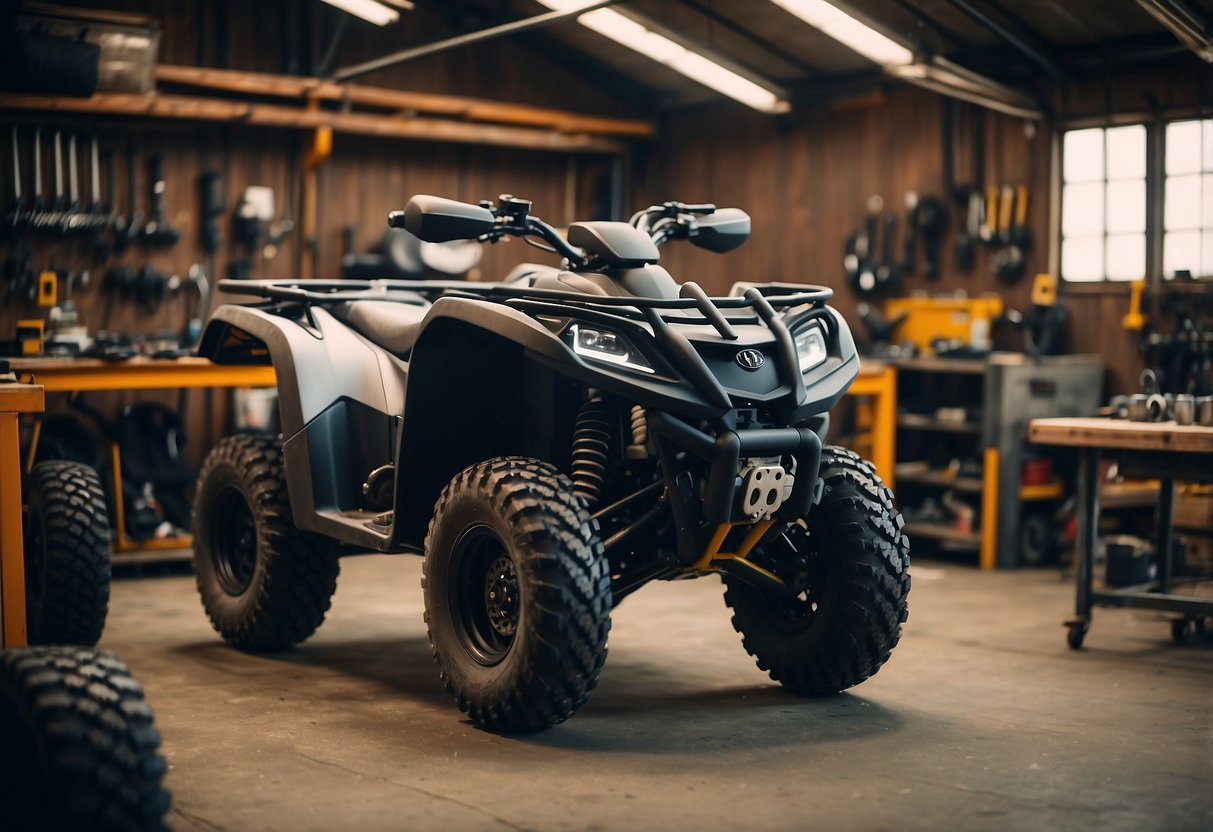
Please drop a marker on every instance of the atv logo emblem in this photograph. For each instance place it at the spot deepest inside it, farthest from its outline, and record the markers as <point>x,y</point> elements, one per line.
<point>751,359</point>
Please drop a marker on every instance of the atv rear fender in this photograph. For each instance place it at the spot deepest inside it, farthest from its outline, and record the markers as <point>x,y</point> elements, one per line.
<point>340,400</point>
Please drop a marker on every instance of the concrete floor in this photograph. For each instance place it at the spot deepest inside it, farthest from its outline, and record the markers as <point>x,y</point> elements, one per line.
<point>983,719</point>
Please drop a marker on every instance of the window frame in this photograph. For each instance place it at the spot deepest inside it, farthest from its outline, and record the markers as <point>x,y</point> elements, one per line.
<point>1151,226</point>
<point>1156,177</point>
<point>1202,172</point>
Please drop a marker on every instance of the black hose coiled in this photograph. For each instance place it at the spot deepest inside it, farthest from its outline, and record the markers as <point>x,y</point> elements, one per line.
<point>591,446</point>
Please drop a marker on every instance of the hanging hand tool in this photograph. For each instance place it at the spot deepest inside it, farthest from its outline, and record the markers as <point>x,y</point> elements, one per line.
<point>15,218</point>
<point>864,282</point>
<point>932,217</point>
<point>72,220</point>
<point>850,253</point>
<point>46,217</point>
<point>18,269</point>
<point>909,245</point>
<point>126,229</point>
<point>1006,205</point>
<point>56,212</point>
<point>274,236</point>
<point>101,211</point>
<point>39,205</point>
<point>989,224</point>
<point>158,231</point>
<point>211,209</point>
<point>1008,262</point>
<point>210,194</point>
<point>1044,325</point>
<point>1134,320</point>
<point>968,236</point>
<point>887,275</point>
<point>195,314</point>
<point>1021,232</point>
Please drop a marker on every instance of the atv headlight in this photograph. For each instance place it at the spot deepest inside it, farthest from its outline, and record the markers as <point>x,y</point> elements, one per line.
<point>811,346</point>
<point>607,346</point>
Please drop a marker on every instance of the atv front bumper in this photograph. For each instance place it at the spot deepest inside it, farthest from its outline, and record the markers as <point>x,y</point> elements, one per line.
<point>721,491</point>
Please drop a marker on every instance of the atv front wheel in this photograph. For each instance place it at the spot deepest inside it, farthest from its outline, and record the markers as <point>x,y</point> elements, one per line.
<point>67,558</point>
<point>517,594</point>
<point>265,584</point>
<point>845,616</point>
<point>80,750</point>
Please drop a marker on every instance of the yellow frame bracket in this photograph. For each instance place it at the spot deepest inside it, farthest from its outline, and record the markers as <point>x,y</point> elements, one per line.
<point>712,553</point>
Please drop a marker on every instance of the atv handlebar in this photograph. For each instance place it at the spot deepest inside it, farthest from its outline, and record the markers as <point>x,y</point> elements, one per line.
<point>666,221</point>
<point>436,219</point>
<point>705,225</point>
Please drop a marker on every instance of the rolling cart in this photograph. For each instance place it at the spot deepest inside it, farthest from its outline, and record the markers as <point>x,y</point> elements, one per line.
<point>1164,450</point>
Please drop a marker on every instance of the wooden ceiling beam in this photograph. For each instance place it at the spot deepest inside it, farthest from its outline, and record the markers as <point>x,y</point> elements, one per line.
<point>471,109</point>
<point>187,108</point>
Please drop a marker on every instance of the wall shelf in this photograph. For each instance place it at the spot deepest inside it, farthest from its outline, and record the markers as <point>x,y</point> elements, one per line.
<point>914,473</point>
<point>944,532</point>
<point>301,103</point>
<point>918,421</point>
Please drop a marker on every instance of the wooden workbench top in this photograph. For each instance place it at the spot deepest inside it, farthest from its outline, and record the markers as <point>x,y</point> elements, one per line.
<point>140,373</point>
<point>21,398</point>
<point>1119,433</point>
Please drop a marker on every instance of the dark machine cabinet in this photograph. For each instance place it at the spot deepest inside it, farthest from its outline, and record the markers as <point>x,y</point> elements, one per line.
<point>980,410</point>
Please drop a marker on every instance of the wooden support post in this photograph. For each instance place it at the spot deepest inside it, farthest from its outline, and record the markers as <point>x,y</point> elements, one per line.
<point>322,147</point>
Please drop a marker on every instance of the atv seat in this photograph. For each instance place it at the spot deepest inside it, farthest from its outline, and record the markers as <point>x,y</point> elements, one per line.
<point>391,325</point>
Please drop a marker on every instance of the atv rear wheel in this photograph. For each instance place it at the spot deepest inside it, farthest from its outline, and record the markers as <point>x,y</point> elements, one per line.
<point>265,584</point>
<point>517,594</point>
<point>67,558</point>
<point>80,750</point>
<point>846,618</point>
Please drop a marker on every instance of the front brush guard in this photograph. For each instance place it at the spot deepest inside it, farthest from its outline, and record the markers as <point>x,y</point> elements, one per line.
<point>698,516</point>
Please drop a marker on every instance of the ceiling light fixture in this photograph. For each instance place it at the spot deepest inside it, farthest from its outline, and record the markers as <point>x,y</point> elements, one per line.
<point>847,30</point>
<point>368,10</point>
<point>627,32</point>
<point>933,73</point>
<point>1192,28</point>
<point>946,78</point>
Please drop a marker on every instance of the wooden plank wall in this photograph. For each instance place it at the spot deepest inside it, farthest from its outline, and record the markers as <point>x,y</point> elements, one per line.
<point>362,180</point>
<point>806,179</point>
<point>806,183</point>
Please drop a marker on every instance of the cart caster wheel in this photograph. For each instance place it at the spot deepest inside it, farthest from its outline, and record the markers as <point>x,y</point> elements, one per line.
<point>1182,630</point>
<point>1075,635</point>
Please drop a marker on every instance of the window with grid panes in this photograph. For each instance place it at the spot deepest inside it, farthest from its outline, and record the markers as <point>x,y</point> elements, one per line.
<point>1187,243</point>
<point>1103,204</point>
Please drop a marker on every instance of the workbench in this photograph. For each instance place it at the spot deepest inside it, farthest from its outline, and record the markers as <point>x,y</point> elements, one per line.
<point>84,375</point>
<point>877,381</point>
<point>1164,450</point>
<point>15,399</point>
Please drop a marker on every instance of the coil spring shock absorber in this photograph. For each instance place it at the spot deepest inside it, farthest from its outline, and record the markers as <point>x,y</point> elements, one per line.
<point>640,434</point>
<point>591,445</point>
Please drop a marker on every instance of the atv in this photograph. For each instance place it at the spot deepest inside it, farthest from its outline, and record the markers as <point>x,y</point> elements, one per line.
<point>551,443</point>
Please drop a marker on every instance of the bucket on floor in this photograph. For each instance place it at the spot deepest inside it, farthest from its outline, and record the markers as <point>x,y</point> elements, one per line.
<point>1128,561</point>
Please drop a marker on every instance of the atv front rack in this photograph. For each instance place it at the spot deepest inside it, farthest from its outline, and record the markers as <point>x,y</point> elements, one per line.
<point>324,292</point>
<point>627,313</point>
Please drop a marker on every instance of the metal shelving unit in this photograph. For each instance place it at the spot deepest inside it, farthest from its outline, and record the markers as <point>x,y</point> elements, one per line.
<point>997,396</point>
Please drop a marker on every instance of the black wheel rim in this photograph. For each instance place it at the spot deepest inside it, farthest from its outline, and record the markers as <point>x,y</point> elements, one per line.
<point>796,612</point>
<point>485,595</point>
<point>233,541</point>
